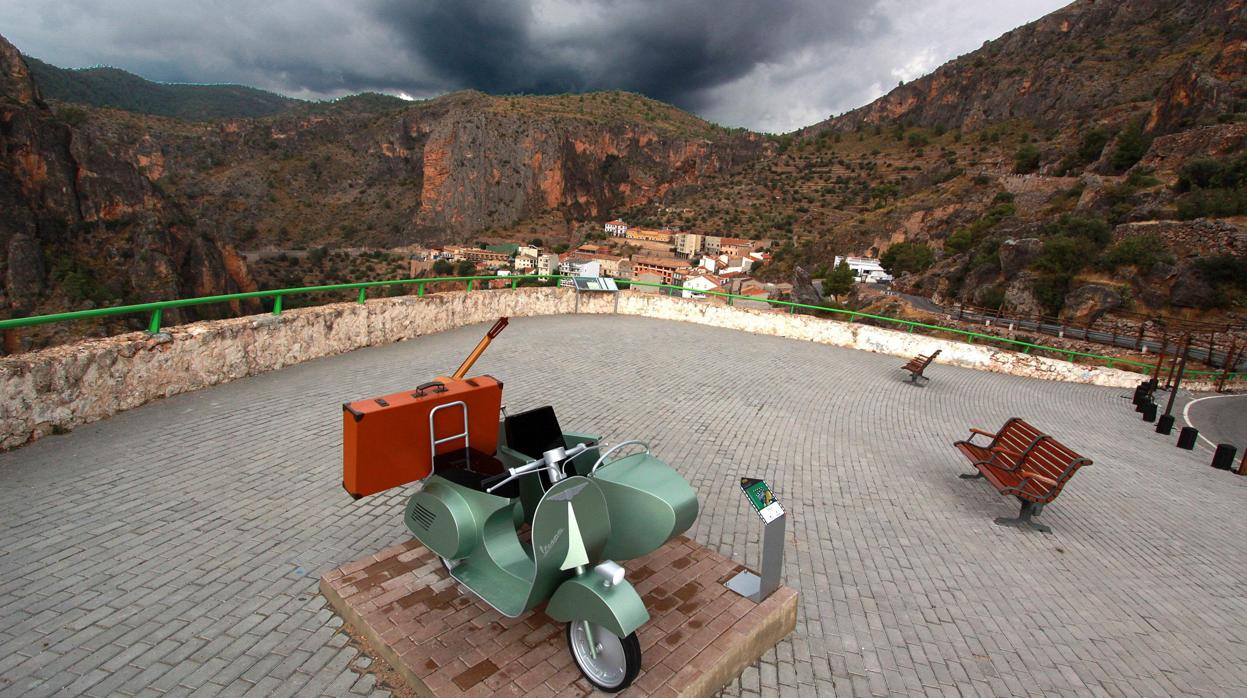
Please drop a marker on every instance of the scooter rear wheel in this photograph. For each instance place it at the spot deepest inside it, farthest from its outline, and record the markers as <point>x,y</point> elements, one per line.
<point>613,662</point>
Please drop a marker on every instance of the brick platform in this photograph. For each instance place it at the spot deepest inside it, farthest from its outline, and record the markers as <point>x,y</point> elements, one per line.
<point>447,642</point>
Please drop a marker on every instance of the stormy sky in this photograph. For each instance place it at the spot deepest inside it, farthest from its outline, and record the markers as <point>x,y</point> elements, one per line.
<point>769,65</point>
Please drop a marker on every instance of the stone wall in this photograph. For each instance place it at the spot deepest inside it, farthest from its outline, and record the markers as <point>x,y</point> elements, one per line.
<point>874,339</point>
<point>61,387</point>
<point>1198,238</point>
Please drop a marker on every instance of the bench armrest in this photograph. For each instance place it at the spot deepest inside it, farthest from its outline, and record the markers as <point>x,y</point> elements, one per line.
<point>1038,478</point>
<point>975,432</point>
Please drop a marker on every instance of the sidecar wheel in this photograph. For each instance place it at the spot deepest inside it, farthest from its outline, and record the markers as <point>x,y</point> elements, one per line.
<point>618,660</point>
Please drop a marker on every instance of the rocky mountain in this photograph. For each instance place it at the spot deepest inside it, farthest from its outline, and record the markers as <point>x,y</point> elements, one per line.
<point>81,227</point>
<point>441,170</point>
<point>1089,162</point>
<point>113,87</point>
<point>1091,61</point>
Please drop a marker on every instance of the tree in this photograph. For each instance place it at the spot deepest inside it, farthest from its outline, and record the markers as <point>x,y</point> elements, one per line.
<point>839,281</point>
<point>1131,146</point>
<point>907,257</point>
<point>465,268</point>
<point>443,268</point>
<point>1026,160</point>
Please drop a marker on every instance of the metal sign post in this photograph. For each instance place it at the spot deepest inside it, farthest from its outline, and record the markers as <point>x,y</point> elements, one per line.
<point>750,585</point>
<point>592,284</point>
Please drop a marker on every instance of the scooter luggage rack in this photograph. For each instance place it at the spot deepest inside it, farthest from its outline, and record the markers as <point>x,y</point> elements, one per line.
<point>435,442</point>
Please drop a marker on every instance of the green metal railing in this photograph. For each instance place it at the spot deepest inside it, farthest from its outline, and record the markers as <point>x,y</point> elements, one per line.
<point>911,325</point>
<point>156,309</point>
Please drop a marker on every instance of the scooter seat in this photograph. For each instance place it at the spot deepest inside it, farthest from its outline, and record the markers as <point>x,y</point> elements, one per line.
<point>470,468</point>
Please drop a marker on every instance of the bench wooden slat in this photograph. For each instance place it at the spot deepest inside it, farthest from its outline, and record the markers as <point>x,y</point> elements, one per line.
<point>919,363</point>
<point>1023,462</point>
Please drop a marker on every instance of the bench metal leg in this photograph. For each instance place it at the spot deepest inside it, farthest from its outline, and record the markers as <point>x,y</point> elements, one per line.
<point>970,476</point>
<point>1023,519</point>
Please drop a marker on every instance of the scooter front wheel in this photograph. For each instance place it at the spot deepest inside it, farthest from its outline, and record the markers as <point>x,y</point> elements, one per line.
<point>610,663</point>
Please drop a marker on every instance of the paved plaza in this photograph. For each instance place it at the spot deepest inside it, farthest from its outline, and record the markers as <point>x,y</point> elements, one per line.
<point>175,549</point>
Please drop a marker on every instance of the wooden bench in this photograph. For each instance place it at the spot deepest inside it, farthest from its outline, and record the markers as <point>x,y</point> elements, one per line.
<point>918,364</point>
<point>1023,462</point>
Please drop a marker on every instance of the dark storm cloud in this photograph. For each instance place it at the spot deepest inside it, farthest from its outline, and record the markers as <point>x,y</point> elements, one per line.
<point>770,65</point>
<point>670,50</point>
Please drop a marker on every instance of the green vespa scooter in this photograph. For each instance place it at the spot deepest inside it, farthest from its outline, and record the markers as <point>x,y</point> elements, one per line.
<point>551,526</point>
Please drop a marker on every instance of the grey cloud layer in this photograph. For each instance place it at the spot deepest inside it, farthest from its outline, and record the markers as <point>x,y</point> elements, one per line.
<point>769,65</point>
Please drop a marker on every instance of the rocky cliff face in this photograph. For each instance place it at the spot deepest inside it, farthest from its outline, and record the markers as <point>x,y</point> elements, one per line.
<point>81,227</point>
<point>434,171</point>
<point>1072,63</point>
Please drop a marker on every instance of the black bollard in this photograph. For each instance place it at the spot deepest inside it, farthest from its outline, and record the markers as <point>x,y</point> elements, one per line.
<point>1164,425</point>
<point>1149,412</point>
<point>1140,394</point>
<point>1186,438</point>
<point>1138,406</point>
<point>1223,459</point>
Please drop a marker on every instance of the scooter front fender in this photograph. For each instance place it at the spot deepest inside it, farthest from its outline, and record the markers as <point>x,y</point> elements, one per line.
<point>617,608</point>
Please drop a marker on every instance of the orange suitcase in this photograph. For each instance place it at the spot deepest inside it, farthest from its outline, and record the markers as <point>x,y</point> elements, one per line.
<point>392,440</point>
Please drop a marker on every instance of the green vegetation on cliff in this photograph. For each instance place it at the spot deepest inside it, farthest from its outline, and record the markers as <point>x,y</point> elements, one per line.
<point>116,88</point>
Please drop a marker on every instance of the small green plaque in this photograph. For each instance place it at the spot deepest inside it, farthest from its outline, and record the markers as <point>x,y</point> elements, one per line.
<point>762,499</point>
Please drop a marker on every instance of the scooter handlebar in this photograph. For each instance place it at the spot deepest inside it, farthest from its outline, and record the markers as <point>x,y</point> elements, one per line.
<point>534,466</point>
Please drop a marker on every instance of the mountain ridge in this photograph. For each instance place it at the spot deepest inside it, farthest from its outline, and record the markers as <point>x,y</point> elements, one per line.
<point>1033,173</point>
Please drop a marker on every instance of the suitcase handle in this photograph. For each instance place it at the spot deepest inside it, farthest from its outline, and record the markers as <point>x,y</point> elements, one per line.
<point>431,384</point>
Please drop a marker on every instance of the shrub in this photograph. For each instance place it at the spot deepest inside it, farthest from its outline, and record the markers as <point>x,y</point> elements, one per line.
<point>1026,160</point>
<point>1227,275</point>
<point>1065,255</point>
<point>1142,252</point>
<point>1212,203</point>
<point>1095,230</point>
<point>967,237</point>
<point>1132,144</point>
<point>71,115</point>
<point>839,281</point>
<point>907,257</point>
<point>1050,290</point>
<point>992,297</point>
<point>1091,146</point>
<point>1207,173</point>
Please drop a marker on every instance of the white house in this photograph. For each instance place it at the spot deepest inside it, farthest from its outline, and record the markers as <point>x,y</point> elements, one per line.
<point>616,228</point>
<point>574,268</point>
<point>525,262</point>
<point>703,282</point>
<point>865,269</point>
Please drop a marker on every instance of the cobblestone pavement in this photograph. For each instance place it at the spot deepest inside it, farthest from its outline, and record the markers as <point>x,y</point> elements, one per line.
<point>175,548</point>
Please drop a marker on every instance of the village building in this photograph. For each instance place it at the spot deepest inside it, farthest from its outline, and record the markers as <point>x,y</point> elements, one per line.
<point>547,264</point>
<point>525,263</point>
<point>865,269</point>
<point>665,269</point>
<point>689,244</point>
<point>651,235</point>
<point>616,228</point>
